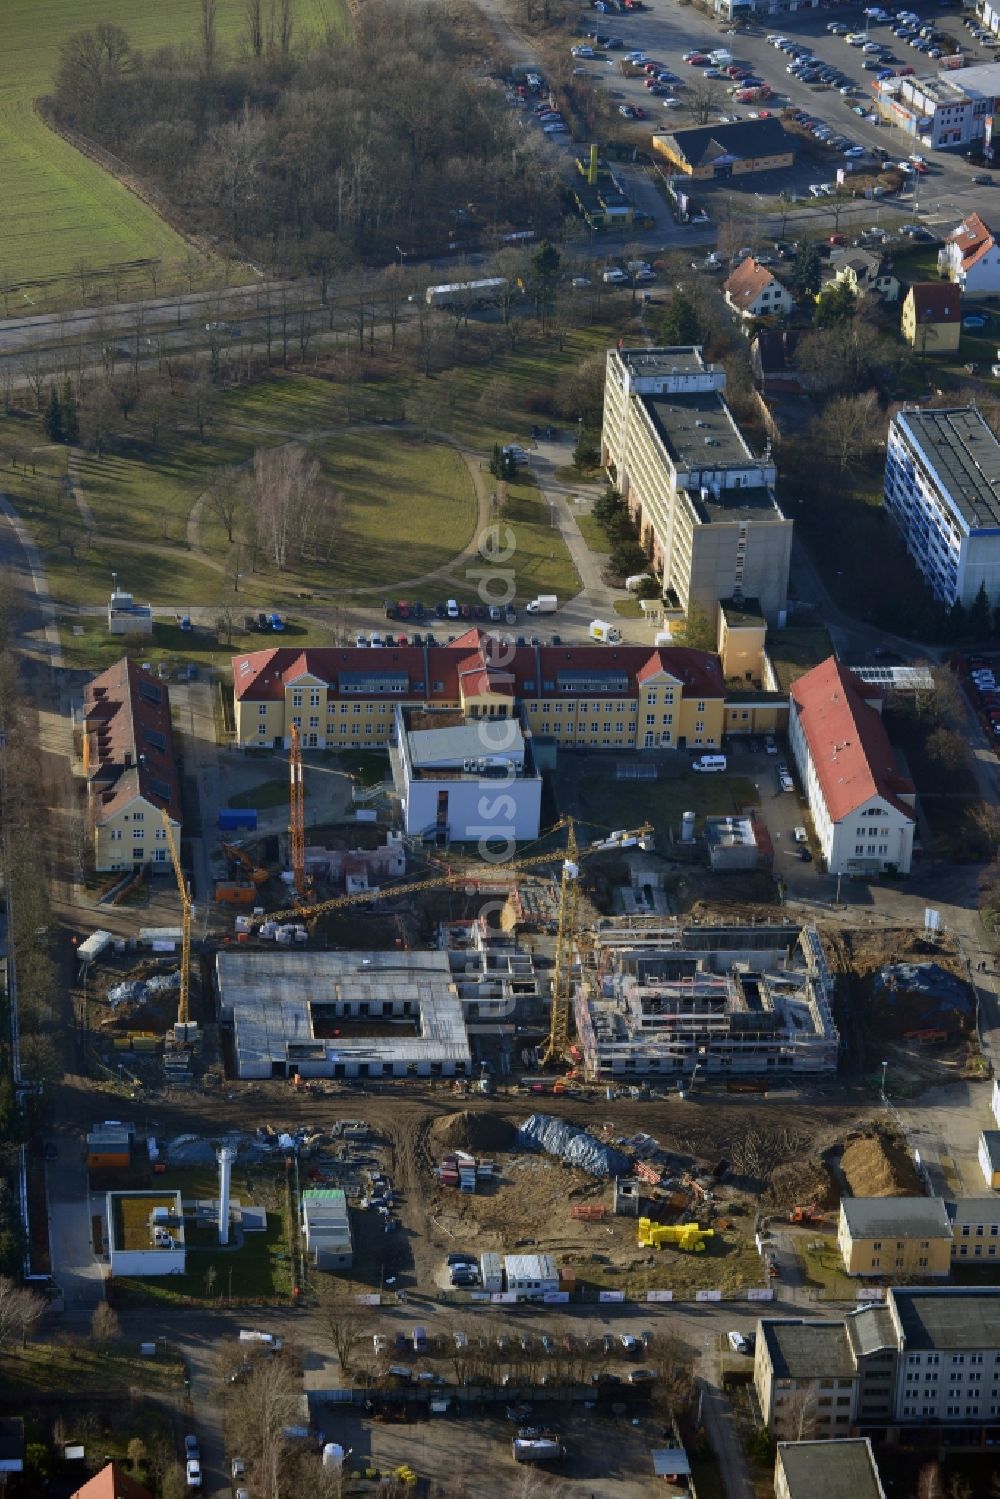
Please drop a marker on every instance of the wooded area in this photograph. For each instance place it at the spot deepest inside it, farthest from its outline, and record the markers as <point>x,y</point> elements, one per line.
<point>378,146</point>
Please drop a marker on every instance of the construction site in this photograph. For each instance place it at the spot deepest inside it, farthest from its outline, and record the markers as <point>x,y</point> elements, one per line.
<point>469,1015</point>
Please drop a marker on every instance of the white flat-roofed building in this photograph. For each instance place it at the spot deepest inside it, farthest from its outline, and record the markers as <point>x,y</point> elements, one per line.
<point>465,779</point>
<point>342,1014</point>
<point>327,1228</point>
<point>703,502</point>
<point>942,488</point>
<point>531,1276</point>
<point>945,109</point>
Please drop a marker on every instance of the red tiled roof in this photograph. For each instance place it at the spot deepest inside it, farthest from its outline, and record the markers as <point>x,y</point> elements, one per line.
<point>973,239</point>
<point>130,742</point>
<point>936,301</point>
<point>847,741</point>
<point>476,661</point>
<point>111,1483</point>
<point>747,282</point>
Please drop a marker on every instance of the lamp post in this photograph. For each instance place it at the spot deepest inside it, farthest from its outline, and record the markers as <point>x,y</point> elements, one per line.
<point>884,1067</point>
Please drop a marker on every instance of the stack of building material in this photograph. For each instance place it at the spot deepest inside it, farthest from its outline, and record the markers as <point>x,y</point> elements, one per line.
<point>466,1172</point>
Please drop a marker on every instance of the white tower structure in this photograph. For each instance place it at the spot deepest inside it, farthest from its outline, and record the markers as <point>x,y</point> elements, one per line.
<point>225,1159</point>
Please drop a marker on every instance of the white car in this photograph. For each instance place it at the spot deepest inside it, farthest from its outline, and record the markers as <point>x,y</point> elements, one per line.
<point>770,745</point>
<point>738,1342</point>
<point>239,1468</point>
<point>800,835</point>
<point>557,128</point>
<point>785,782</point>
<point>194,1474</point>
<point>672,104</point>
<point>815,191</point>
<point>579,282</point>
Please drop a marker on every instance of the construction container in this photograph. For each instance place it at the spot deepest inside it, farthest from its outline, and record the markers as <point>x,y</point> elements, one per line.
<point>234,893</point>
<point>491,1271</point>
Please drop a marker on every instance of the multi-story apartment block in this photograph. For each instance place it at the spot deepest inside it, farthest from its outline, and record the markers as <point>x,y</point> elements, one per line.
<point>805,1377</point>
<point>861,804</point>
<point>948,1343</point>
<point>942,488</point>
<point>898,1235</point>
<point>930,1356</point>
<point>843,1468</point>
<point>703,502</point>
<point>131,768</point>
<point>593,697</point>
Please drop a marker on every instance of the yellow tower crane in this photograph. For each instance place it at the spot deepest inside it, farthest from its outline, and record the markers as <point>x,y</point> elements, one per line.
<point>182,891</point>
<point>296,814</point>
<point>567,936</point>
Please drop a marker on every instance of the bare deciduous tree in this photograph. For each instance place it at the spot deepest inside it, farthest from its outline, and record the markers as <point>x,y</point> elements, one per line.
<point>209,39</point>
<point>291,507</point>
<point>105,1327</point>
<point>224,499</point>
<point>20,1309</point>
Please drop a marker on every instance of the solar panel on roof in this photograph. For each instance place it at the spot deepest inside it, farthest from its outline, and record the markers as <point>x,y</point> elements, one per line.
<point>159,788</point>
<point>150,692</point>
<point>155,738</point>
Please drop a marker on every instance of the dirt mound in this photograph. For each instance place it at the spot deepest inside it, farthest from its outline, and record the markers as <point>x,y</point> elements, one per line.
<point>877,1165</point>
<point>803,1182</point>
<point>468,1130</point>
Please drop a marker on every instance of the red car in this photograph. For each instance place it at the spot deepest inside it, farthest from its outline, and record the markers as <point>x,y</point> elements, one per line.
<point>698,62</point>
<point>837,239</point>
<point>919,168</point>
<point>638,112</point>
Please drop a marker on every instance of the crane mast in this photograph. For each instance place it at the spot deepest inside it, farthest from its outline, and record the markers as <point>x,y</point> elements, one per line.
<point>296,814</point>
<point>566,939</point>
<point>182,890</point>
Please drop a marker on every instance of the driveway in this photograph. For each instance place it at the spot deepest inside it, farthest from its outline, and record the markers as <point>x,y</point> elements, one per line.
<point>74,1265</point>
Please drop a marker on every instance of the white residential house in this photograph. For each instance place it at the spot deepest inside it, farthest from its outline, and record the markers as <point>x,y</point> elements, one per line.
<point>752,292</point>
<point>970,257</point>
<point>861,805</point>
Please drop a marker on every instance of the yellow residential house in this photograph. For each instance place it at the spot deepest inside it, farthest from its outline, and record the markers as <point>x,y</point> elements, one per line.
<point>895,1236</point>
<point>931,321</point>
<point>592,696</point>
<point>131,768</point>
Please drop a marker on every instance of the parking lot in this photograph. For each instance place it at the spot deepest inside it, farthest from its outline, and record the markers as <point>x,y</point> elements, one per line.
<point>605,1454</point>
<point>666,35</point>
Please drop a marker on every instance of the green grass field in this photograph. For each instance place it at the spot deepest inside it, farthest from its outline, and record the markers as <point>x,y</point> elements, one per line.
<point>60,207</point>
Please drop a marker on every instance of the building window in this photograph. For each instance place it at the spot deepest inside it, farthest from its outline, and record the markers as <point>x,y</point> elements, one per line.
<point>137,835</point>
<point>297,699</point>
<point>650,720</point>
<point>314,697</point>
<point>262,709</point>
<point>699,727</point>
<point>699,707</point>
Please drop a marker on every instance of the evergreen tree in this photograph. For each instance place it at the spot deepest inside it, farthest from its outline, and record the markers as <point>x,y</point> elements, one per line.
<point>545,265</point>
<point>837,305</point>
<point>52,420</point>
<point>980,615</point>
<point>957,621</point>
<point>807,271</point>
<point>679,323</point>
<point>70,416</point>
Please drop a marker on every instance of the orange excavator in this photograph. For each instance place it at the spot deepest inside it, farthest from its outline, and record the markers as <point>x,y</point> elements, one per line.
<point>238,855</point>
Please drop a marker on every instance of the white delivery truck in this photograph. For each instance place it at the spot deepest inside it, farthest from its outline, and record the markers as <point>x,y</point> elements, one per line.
<point>262,1339</point>
<point>546,603</point>
<point>605,633</point>
<point>466,293</point>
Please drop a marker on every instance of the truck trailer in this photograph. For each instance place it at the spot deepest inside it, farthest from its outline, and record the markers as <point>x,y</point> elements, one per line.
<point>466,293</point>
<point>546,603</point>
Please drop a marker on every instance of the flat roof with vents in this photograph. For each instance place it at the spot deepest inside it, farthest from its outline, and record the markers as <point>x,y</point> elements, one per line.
<point>959,446</point>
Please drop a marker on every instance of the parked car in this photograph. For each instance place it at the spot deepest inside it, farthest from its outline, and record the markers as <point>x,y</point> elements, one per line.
<point>193,1472</point>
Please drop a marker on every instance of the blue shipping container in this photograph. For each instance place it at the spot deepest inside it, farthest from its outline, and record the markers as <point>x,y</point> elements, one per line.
<point>231,818</point>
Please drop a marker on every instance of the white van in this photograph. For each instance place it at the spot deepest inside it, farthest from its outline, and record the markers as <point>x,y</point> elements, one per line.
<point>264,1339</point>
<point>452,609</point>
<point>709,763</point>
